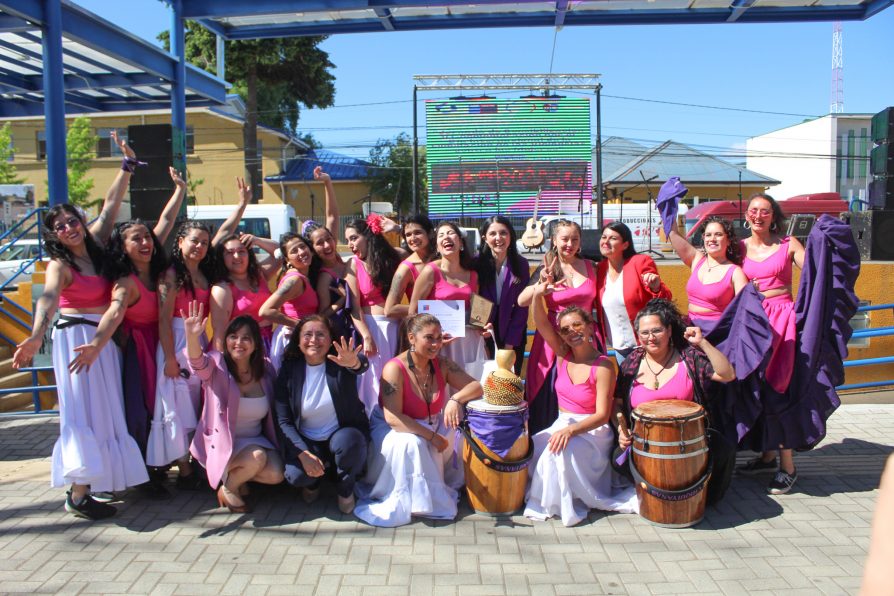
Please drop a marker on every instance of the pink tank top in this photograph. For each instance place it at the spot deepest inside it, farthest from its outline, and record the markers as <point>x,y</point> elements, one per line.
<point>713,296</point>
<point>248,302</point>
<point>86,291</point>
<point>577,398</point>
<point>583,296</point>
<point>370,293</point>
<point>414,274</point>
<point>306,303</point>
<point>444,290</point>
<point>414,406</point>
<point>145,311</point>
<point>184,297</point>
<point>772,273</point>
<point>678,387</point>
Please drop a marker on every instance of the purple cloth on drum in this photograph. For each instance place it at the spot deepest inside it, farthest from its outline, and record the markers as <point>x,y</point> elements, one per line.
<point>669,200</point>
<point>498,431</point>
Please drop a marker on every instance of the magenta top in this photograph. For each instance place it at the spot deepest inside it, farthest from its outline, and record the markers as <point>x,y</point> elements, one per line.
<point>772,273</point>
<point>146,308</point>
<point>413,273</point>
<point>184,297</point>
<point>415,406</point>
<point>678,387</point>
<point>370,293</point>
<point>86,291</point>
<point>577,398</point>
<point>444,290</point>
<point>583,296</point>
<point>304,304</point>
<point>713,296</point>
<point>246,302</point>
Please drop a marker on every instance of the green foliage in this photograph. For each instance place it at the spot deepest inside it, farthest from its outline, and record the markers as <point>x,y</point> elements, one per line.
<point>392,177</point>
<point>7,151</point>
<point>192,185</point>
<point>80,146</point>
<point>309,139</point>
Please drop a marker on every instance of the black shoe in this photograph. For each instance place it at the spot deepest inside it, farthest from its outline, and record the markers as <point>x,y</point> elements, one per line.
<point>757,466</point>
<point>782,482</point>
<point>104,496</point>
<point>88,508</point>
<point>154,491</point>
<point>193,481</point>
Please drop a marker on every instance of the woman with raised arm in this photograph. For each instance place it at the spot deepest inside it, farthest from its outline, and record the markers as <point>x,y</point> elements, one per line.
<point>294,297</point>
<point>413,426</point>
<point>369,278</point>
<point>574,279</point>
<point>94,451</point>
<point>235,437</point>
<point>452,277</point>
<point>419,236</point>
<point>322,421</point>
<point>502,276</point>
<point>570,470</point>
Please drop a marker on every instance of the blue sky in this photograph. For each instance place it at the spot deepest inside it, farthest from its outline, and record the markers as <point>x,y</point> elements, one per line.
<point>773,68</point>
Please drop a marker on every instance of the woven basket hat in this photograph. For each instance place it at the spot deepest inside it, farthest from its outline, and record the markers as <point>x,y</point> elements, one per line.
<point>502,387</point>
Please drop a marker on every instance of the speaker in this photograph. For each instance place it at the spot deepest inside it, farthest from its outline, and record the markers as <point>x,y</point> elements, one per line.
<point>883,126</point>
<point>881,160</point>
<point>872,232</point>
<point>150,185</point>
<point>589,245</point>
<point>881,193</point>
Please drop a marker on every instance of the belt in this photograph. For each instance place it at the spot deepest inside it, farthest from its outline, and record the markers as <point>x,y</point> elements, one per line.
<point>70,321</point>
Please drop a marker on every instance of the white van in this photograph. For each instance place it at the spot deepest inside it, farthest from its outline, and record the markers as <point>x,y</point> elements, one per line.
<point>263,220</point>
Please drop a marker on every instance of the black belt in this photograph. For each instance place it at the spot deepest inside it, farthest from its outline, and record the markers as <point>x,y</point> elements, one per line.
<point>499,466</point>
<point>70,321</point>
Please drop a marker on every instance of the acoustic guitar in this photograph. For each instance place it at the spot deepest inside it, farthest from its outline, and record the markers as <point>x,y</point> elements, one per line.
<point>533,236</point>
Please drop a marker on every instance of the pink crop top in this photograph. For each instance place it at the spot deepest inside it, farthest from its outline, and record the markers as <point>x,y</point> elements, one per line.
<point>583,295</point>
<point>306,303</point>
<point>712,296</point>
<point>577,398</point>
<point>370,293</point>
<point>678,387</point>
<point>444,290</point>
<point>184,297</point>
<point>248,302</point>
<point>86,291</point>
<point>145,311</point>
<point>414,274</point>
<point>414,406</point>
<point>772,273</point>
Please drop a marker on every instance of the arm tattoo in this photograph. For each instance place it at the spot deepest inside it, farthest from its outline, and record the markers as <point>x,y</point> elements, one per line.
<point>453,367</point>
<point>387,388</point>
<point>285,287</point>
<point>395,290</point>
<point>163,290</point>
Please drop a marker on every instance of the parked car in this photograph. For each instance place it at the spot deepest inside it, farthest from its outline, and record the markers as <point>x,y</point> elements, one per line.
<point>15,256</point>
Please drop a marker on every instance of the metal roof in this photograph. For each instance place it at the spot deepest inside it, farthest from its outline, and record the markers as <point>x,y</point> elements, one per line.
<point>340,167</point>
<point>105,69</point>
<point>671,159</point>
<point>237,19</point>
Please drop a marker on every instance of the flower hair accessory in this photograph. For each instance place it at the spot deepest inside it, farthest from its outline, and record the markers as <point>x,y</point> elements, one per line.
<point>374,221</point>
<point>308,226</point>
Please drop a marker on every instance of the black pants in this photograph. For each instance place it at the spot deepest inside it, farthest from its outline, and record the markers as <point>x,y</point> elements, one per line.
<point>345,452</point>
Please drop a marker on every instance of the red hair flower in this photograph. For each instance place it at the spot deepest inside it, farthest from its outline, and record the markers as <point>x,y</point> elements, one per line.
<point>374,221</point>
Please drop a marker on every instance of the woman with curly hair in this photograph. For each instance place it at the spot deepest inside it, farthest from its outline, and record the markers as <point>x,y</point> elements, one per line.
<point>419,237</point>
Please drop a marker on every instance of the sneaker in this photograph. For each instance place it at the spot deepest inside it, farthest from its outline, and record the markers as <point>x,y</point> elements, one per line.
<point>782,482</point>
<point>346,504</point>
<point>88,508</point>
<point>104,496</point>
<point>757,466</point>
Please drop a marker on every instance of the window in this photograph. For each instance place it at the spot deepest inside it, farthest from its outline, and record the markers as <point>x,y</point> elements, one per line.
<point>41,144</point>
<point>257,226</point>
<point>190,140</point>
<point>105,147</point>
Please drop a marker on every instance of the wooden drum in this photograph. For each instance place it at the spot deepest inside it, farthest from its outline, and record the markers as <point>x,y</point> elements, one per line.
<point>496,483</point>
<point>670,462</point>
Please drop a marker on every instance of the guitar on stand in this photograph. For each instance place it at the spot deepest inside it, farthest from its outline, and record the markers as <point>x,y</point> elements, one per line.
<point>533,236</point>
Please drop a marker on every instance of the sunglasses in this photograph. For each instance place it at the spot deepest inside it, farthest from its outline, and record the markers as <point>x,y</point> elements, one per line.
<point>756,211</point>
<point>575,327</point>
<point>72,222</point>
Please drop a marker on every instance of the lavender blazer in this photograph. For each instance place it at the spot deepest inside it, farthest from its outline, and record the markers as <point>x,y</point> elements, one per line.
<point>509,319</point>
<point>212,445</point>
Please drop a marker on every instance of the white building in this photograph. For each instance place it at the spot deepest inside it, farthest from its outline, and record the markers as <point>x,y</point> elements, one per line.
<point>828,154</point>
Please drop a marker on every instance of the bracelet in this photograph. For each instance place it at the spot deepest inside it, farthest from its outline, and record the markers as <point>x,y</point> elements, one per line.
<point>129,164</point>
<point>432,437</point>
<point>457,401</point>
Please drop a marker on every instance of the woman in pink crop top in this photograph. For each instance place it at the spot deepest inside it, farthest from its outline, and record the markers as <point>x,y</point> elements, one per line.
<point>412,433</point>
<point>94,450</point>
<point>570,469</point>
<point>768,263</point>
<point>419,237</point>
<point>452,278</point>
<point>716,277</point>
<point>294,297</point>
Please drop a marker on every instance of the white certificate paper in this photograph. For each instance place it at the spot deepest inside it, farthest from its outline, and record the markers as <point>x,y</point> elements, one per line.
<point>451,314</point>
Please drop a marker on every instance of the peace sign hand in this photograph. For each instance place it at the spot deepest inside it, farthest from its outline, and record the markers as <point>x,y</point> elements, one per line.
<point>346,355</point>
<point>244,191</point>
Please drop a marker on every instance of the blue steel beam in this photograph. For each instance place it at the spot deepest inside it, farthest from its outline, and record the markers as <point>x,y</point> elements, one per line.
<point>10,24</point>
<point>738,8</point>
<point>385,17</point>
<point>54,102</point>
<point>178,87</point>
<point>561,10</point>
<point>34,83</point>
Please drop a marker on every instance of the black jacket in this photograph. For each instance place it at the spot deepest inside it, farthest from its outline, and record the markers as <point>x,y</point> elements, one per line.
<point>342,386</point>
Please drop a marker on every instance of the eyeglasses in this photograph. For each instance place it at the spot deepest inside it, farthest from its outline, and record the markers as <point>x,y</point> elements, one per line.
<point>656,333</point>
<point>72,222</point>
<point>575,327</point>
<point>756,211</point>
<point>311,335</point>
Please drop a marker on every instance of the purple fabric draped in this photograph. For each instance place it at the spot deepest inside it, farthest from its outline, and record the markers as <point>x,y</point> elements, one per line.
<point>139,374</point>
<point>668,201</point>
<point>497,431</point>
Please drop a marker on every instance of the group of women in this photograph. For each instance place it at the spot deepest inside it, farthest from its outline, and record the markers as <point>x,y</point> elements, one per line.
<point>335,374</point>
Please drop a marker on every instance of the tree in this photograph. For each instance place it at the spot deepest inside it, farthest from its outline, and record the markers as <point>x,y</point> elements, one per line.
<point>290,72</point>
<point>7,152</point>
<point>192,187</point>
<point>391,177</point>
<point>80,146</point>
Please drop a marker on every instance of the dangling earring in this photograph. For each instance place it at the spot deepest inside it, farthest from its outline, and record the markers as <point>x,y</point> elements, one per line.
<point>412,349</point>
<point>773,226</point>
<point>747,225</point>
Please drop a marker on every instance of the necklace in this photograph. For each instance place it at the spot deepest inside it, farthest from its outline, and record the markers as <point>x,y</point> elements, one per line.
<point>661,370</point>
<point>709,267</point>
<point>426,386</point>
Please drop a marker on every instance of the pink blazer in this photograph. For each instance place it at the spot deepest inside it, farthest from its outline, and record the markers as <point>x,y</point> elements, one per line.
<point>212,445</point>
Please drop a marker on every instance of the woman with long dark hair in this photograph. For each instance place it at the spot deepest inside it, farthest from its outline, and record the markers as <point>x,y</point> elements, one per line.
<point>502,276</point>
<point>419,237</point>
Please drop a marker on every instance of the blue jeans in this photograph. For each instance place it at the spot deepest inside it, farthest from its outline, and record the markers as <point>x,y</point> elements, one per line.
<point>345,451</point>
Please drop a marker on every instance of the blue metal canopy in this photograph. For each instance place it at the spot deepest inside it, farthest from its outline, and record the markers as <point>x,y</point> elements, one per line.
<point>339,167</point>
<point>238,19</point>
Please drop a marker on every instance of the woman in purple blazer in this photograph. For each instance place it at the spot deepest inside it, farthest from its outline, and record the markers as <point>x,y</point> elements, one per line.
<point>235,437</point>
<point>502,275</point>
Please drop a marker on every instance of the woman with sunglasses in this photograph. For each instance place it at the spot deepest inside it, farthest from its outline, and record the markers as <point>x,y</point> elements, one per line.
<point>94,451</point>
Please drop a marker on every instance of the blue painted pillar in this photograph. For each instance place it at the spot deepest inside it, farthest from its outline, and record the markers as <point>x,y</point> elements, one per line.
<point>178,88</point>
<point>54,102</point>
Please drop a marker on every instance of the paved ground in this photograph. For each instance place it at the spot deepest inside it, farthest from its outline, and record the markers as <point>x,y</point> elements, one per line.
<point>811,542</point>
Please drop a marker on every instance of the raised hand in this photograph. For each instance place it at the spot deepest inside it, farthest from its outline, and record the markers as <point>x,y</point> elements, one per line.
<point>694,336</point>
<point>244,191</point>
<point>177,177</point>
<point>246,239</point>
<point>652,281</point>
<point>345,353</point>
<point>320,175</point>
<point>193,321</point>
<point>122,145</point>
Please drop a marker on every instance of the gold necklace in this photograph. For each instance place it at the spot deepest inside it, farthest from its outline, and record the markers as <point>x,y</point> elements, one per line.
<point>654,374</point>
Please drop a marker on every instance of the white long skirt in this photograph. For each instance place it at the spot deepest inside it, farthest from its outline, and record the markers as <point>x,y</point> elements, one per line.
<point>407,476</point>
<point>580,478</point>
<point>468,352</point>
<point>384,333</point>
<point>94,446</point>
<point>177,406</point>
<point>281,337</point>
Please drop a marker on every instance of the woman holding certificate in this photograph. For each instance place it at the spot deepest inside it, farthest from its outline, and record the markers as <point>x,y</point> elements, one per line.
<point>451,278</point>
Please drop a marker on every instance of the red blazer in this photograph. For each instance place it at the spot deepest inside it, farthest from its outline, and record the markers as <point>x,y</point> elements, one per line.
<point>636,293</point>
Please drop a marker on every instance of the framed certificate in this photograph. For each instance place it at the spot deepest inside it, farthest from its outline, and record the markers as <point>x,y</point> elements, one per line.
<point>480,310</point>
<point>451,314</point>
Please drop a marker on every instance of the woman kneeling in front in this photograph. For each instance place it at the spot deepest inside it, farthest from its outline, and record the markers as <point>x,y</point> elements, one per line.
<point>410,468</point>
<point>322,421</point>
<point>235,437</point>
<point>572,473</point>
